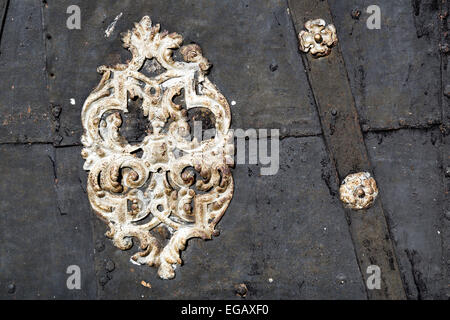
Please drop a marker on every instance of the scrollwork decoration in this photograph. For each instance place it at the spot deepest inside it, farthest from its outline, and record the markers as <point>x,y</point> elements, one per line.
<point>155,198</point>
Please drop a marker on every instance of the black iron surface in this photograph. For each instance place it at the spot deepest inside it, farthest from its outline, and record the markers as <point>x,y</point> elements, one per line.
<point>289,227</point>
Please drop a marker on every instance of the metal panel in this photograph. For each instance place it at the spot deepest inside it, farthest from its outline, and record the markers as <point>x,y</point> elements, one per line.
<point>284,236</point>
<point>40,238</point>
<point>250,44</point>
<point>289,230</point>
<point>444,221</point>
<point>394,70</point>
<point>24,110</point>
<point>406,163</point>
<point>336,107</point>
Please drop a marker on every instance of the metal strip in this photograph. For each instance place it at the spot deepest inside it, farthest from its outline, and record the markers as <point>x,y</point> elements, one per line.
<point>339,119</point>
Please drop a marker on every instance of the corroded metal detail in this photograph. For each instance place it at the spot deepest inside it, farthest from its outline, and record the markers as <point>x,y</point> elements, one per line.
<point>318,39</point>
<point>358,190</point>
<point>168,188</point>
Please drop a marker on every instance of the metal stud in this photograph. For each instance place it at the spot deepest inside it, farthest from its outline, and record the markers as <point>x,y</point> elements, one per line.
<point>117,176</point>
<point>318,39</point>
<point>358,191</point>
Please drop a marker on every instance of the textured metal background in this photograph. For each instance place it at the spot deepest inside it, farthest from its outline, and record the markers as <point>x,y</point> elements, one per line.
<point>289,227</point>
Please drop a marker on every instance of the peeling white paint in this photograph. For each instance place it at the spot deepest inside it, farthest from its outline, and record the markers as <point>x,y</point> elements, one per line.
<point>111,27</point>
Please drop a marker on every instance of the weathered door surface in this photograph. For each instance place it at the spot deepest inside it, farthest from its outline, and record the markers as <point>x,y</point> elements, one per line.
<point>379,102</point>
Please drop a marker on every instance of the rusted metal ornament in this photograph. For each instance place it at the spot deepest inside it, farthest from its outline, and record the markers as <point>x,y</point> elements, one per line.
<point>358,191</point>
<point>318,39</point>
<point>154,198</point>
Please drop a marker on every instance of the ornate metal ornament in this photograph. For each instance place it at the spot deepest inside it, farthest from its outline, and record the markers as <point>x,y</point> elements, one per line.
<point>168,188</point>
<point>318,39</point>
<point>358,190</point>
